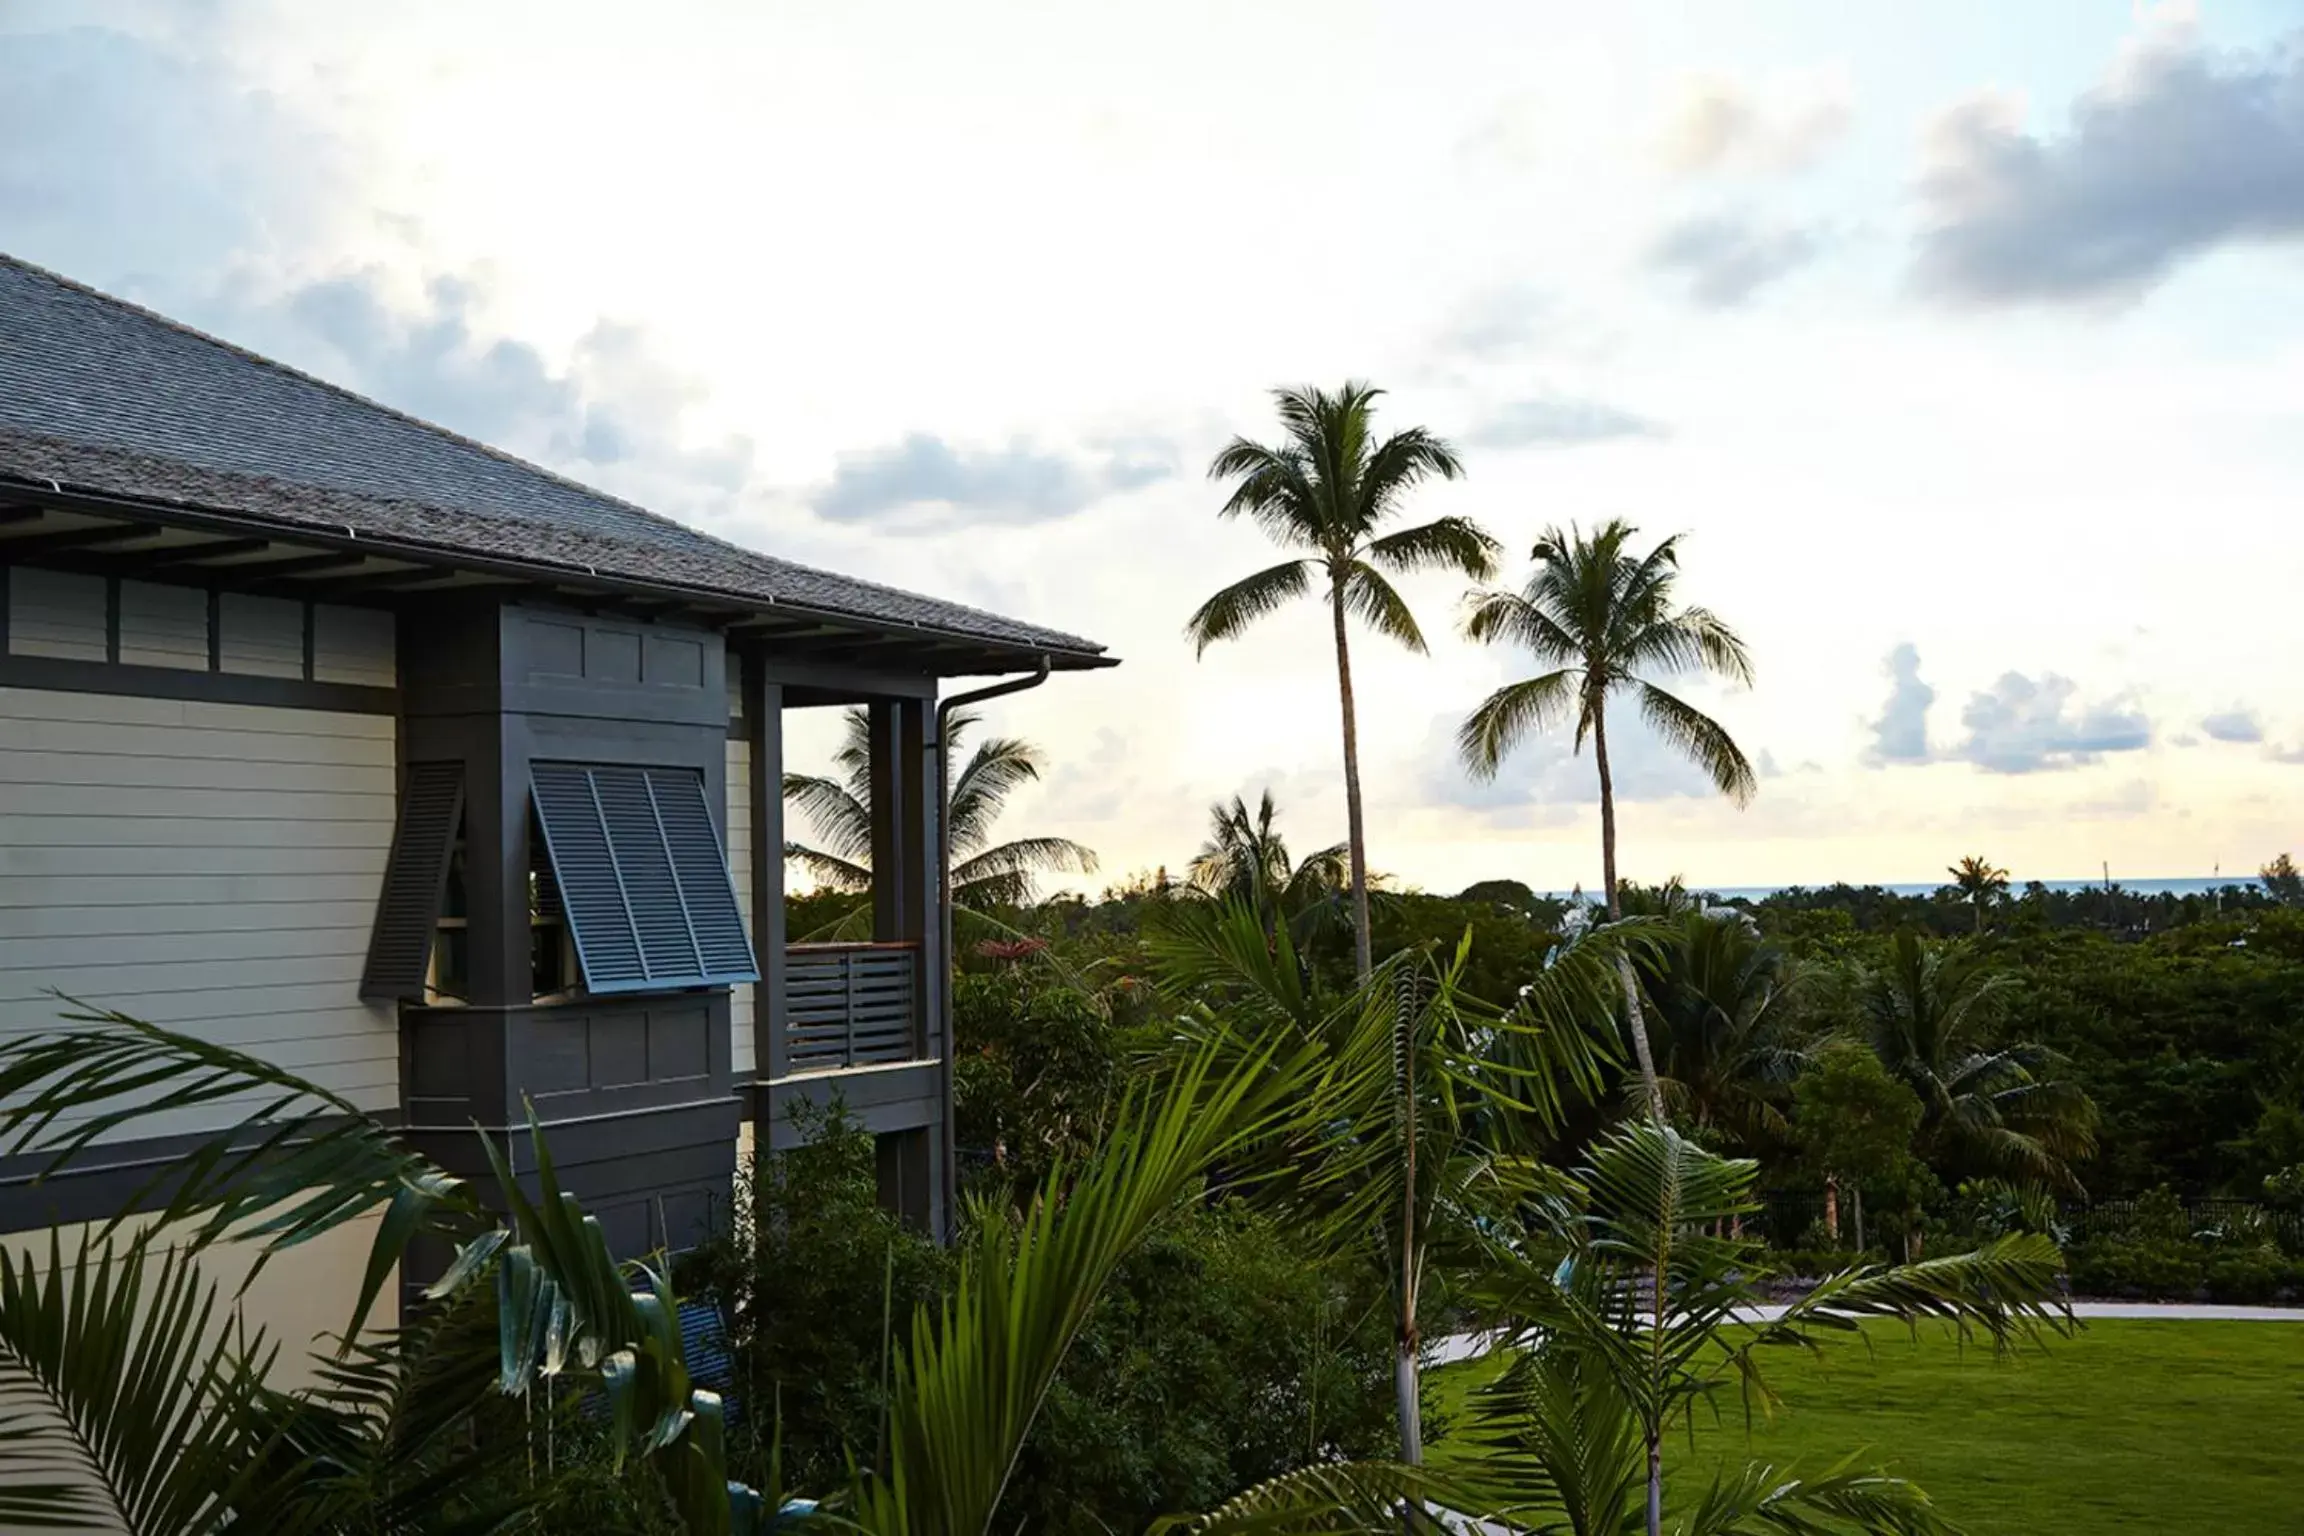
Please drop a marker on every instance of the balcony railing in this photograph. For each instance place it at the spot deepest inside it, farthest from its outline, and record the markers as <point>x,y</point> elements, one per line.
<point>850,1005</point>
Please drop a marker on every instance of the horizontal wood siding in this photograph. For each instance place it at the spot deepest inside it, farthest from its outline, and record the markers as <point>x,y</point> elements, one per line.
<point>56,613</point>
<point>261,636</point>
<point>739,823</point>
<point>852,1005</point>
<point>211,867</point>
<point>352,645</point>
<point>163,626</point>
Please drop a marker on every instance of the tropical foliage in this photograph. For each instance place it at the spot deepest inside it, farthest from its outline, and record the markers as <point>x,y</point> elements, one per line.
<point>1327,490</point>
<point>984,873</point>
<point>1246,860</point>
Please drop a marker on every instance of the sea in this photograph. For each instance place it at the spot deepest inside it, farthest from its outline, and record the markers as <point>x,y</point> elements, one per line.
<point>2174,885</point>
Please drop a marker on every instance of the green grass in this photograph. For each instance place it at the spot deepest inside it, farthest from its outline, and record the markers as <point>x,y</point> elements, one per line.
<point>2129,1429</point>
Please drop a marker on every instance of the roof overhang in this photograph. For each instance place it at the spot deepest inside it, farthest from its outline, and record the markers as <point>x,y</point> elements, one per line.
<point>129,537</point>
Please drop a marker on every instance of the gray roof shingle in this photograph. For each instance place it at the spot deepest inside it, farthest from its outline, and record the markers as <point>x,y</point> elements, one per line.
<point>99,395</point>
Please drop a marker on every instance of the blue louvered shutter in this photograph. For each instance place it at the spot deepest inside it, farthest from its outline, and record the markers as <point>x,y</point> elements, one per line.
<point>408,908</point>
<point>642,877</point>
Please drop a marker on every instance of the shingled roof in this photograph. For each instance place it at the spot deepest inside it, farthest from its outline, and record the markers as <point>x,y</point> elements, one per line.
<point>102,397</point>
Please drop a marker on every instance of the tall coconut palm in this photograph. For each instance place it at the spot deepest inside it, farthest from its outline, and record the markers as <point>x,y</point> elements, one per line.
<point>1598,617</point>
<point>1988,1109</point>
<point>984,874</point>
<point>1246,859</point>
<point>1326,491</point>
<point>1981,882</point>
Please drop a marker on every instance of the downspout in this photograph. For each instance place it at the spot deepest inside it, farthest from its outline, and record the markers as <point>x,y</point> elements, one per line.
<point>944,710</point>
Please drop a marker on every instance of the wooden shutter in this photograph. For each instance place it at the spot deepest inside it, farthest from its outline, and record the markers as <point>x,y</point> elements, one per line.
<point>642,876</point>
<point>408,911</point>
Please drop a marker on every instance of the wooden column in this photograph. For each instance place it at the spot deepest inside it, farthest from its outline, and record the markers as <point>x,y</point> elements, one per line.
<point>764,723</point>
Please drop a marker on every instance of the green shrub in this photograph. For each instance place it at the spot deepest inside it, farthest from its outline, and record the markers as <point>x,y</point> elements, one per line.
<point>804,1279</point>
<point>1221,1356</point>
<point>2149,1269</point>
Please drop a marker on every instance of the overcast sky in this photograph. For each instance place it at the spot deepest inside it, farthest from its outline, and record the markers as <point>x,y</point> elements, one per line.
<point>1965,342</point>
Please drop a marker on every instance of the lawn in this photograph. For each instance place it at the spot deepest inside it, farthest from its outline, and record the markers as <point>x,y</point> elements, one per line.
<point>2130,1429</point>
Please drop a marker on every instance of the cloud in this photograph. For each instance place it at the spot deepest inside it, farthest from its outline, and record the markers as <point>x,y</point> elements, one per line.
<point>924,481</point>
<point>2178,151</point>
<point>1726,258</point>
<point>126,160</point>
<point>1900,734</point>
<point>613,413</point>
<point>2235,724</point>
<point>1717,125</point>
<point>2026,726</point>
<point>1558,421</point>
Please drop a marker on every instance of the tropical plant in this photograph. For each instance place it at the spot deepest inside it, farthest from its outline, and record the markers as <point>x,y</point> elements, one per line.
<point>119,1364</point>
<point>1326,491</point>
<point>1632,1310</point>
<point>1990,1110</point>
<point>1420,1125</point>
<point>984,873</point>
<point>2283,880</point>
<point>1246,859</point>
<point>1726,1055</point>
<point>1598,617</point>
<point>1982,884</point>
<point>1856,1123</point>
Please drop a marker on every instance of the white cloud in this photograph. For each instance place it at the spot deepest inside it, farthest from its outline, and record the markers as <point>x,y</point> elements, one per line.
<point>2235,724</point>
<point>1900,732</point>
<point>1718,125</point>
<point>1726,258</point>
<point>2023,725</point>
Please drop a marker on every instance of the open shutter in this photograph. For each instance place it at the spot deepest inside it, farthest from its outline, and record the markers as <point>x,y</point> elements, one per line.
<point>642,876</point>
<point>408,911</point>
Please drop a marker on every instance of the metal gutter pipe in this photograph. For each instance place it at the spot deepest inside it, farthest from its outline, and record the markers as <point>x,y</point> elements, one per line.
<point>944,709</point>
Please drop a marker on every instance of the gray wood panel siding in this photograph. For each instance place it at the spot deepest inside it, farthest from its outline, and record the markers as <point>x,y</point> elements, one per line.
<point>212,867</point>
<point>739,824</point>
<point>163,626</point>
<point>260,636</point>
<point>56,613</point>
<point>352,645</point>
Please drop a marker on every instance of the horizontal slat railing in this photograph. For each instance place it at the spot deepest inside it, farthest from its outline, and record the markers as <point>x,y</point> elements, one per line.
<point>850,1005</point>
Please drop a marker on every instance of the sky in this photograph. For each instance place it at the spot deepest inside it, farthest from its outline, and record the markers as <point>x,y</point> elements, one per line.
<point>1963,343</point>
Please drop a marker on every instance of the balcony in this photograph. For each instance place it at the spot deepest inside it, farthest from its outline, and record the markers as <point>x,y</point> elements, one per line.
<point>851,1005</point>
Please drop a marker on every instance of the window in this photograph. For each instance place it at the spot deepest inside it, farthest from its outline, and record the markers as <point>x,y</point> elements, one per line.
<point>627,887</point>
<point>641,877</point>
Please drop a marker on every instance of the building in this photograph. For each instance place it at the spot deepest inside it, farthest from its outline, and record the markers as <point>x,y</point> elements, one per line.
<point>445,781</point>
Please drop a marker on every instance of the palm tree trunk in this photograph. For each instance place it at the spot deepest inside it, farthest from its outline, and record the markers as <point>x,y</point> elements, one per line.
<point>1635,1020</point>
<point>1406,1387</point>
<point>1856,1194</point>
<point>1355,831</point>
<point>1655,1485</point>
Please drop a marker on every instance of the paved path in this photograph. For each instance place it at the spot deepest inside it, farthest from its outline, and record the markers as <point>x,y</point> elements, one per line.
<point>1464,1346</point>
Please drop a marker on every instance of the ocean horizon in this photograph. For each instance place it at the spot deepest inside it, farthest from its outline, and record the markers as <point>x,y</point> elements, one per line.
<point>2173,885</point>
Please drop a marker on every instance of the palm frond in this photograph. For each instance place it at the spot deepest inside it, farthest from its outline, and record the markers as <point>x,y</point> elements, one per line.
<point>1231,611</point>
<point>1398,465</point>
<point>1447,543</point>
<point>1370,1498</point>
<point>841,816</point>
<point>829,870</point>
<point>125,1396</point>
<point>2008,1289</point>
<point>1376,603</point>
<point>1021,859</point>
<point>1509,618</point>
<point>1702,740</point>
<point>1507,717</point>
<point>998,767</point>
<point>1757,1499</point>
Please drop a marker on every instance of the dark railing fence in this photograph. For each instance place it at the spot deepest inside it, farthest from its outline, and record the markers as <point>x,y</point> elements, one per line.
<point>1788,1217</point>
<point>851,1005</point>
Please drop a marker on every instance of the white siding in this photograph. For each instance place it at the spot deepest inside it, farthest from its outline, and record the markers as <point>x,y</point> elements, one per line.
<point>260,635</point>
<point>211,867</point>
<point>163,626</point>
<point>740,870</point>
<point>55,613</point>
<point>352,645</point>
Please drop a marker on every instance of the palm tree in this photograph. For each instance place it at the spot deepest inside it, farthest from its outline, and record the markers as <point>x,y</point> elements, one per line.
<point>1246,859</point>
<point>1726,1055</point>
<point>1417,1130</point>
<point>983,874</point>
<point>1326,491</point>
<point>1598,617</point>
<point>1990,1110</point>
<point>1631,1314</point>
<point>1981,882</point>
